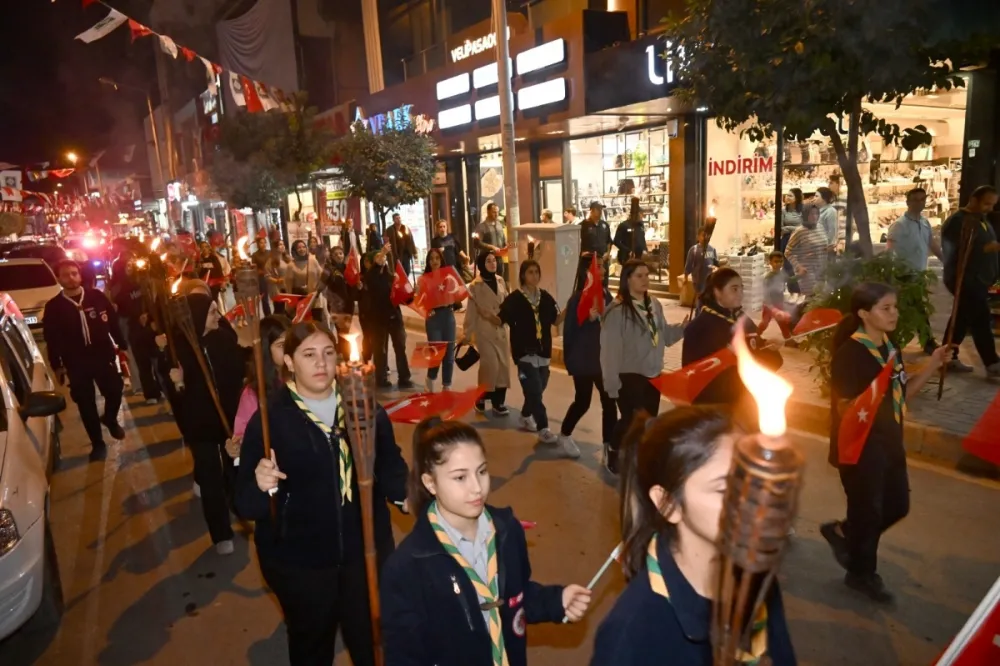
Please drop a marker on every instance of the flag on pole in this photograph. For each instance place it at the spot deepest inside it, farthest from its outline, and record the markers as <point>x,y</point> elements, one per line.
<point>817,320</point>
<point>352,272</point>
<point>684,385</point>
<point>592,295</point>
<point>441,288</point>
<point>428,354</point>
<point>303,311</point>
<point>402,290</point>
<point>858,419</point>
<point>103,27</point>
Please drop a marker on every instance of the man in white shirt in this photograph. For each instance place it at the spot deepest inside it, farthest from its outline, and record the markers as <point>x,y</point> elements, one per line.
<point>569,216</point>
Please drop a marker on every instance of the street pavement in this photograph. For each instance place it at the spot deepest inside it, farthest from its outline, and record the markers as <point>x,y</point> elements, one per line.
<point>143,584</point>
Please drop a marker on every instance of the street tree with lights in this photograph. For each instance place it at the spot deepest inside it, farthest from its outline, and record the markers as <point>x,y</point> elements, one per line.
<point>774,66</point>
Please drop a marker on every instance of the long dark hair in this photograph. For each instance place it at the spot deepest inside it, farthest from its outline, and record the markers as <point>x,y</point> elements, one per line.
<point>624,295</point>
<point>718,281</point>
<point>664,452</point>
<point>272,327</point>
<point>298,334</point>
<point>634,211</point>
<point>864,297</point>
<point>433,439</point>
<point>797,193</point>
<point>430,251</point>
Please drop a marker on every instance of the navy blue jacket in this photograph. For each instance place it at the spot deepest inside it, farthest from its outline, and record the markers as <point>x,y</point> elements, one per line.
<point>315,529</point>
<point>644,629</point>
<point>430,611</point>
<point>582,342</point>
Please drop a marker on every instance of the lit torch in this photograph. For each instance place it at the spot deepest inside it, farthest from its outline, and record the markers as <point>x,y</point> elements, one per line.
<point>176,285</point>
<point>760,503</point>
<point>155,244</point>
<point>241,249</point>
<point>356,384</point>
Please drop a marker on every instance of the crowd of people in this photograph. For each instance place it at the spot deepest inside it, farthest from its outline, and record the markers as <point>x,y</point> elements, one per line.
<point>458,590</point>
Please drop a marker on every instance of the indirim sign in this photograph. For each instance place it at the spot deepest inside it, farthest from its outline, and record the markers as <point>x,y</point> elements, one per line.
<point>740,165</point>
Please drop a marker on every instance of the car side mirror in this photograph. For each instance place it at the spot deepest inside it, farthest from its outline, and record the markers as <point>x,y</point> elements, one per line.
<point>42,403</point>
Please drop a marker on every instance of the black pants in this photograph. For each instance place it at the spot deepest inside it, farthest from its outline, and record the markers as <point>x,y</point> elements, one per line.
<point>381,335</point>
<point>82,379</point>
<point>497,397</point>
<point>878,497</point>
<point>974,316</point>
<point>315,602</point>
<point>581,403</point>
<point>214,473</point>
<point>144,349</point>
<point>533,383</point>
<point>636,394</point>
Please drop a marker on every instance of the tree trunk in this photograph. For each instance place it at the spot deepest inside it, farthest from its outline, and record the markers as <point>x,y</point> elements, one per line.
<point>779,185</point>
<point>855,191</point>
<point>298,203</point>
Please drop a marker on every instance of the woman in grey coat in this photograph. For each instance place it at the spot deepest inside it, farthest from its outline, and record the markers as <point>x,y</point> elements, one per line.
<point>482,323</point>
<point>633,337</point>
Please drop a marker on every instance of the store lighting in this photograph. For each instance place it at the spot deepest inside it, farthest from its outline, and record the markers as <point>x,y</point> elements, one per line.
<point>453,87</point>
<point>489,75</point>
<point>460,115</point>
<point>701,109</point>
<point>540,57</point>
<point>556,132</point>
<point>456,150</point>
<point>540,94</point>
<point>488,108</point>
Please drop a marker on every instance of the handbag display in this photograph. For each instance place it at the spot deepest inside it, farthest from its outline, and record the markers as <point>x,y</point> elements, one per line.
<point>468,359</point>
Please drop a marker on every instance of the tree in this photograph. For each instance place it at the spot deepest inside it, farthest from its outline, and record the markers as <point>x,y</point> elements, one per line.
<point>767,66</point>
<point>300,147</point>
<point>391,168</point>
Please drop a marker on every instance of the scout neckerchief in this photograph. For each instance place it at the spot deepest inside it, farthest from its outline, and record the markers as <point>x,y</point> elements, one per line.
<point>339,432</point>
<point>898,401</point>
<point>535,304</point>
<point>489,591</point>
<point>758,636</point>
<point>83,317</point>
<point>647,309</point>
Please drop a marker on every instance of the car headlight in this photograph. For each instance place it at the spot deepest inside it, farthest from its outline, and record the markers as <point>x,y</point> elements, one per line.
<point>8,532</point>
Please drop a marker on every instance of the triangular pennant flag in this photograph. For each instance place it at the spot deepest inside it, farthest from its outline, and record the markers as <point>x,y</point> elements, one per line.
<point>236,88</point>
<point>592,295</point>
<point>189,55</point>
<point>402,290</point>
<point>817,320</point>
<point>209,75</point>
<point>684,385</point>
<point>60,173</point>
<point>169,46</point>
<point>138,30</point>
<point>858,419</point>
<point>428,354</point>
<point>103,27</point>
<point>250,95</point>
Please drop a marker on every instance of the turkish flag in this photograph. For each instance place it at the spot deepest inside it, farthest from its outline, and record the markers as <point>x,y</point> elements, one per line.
<point>683,386</point>
<point>250,95</point>
<point>817,320</point>
<point>352,274</point>
<point>449,405</point>
<point>428,354</point>
<point>187,244</point>
<point>290,301</point>
<point>857,421</point>
<point>303,311</point>
<point>978,643</point>
<point>402,290</point>
<point>189,55</point>
<point>441,288</point>
<point>138,30</point>
<point>982,440</point>
<point>592,295</point>
<point>236,313</point>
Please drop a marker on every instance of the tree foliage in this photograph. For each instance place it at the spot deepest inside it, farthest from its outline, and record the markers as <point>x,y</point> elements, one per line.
<point>762,66</point>
<point>391,168</point>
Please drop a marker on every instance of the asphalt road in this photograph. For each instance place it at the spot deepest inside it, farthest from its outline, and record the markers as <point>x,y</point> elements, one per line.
<point>143,585</point>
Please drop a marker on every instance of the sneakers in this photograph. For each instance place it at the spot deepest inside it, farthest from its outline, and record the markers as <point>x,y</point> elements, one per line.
<point>446,387</point>
<point>528,423</point>
<point>833,533</point>
<point>568,446</point>
<point>546,436</point>
<point>196,490</point>
<point>871,586</point>
<point>501,410</point>
<point>480,406</point>
<point>955,365</point>
<point>152,401</point>
<point>114,428</point>
<point>429,385</point>
<point>225,547</point>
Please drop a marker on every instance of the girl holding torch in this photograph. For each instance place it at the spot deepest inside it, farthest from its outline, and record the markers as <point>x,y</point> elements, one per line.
<point>442,602</point>
<point>674,475</point>
<point>313,555</point>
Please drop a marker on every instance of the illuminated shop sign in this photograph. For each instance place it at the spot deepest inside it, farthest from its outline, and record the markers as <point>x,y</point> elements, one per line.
<point>453,87</point>
<point>398,118</point>
<point>488,75</point>
<point>460,115</point>
<point>488,108</point>
<point>540,57</point>
<point>660,69</point>
<point>740,165</point>
<point>473,47</point>
<point>541,94</point>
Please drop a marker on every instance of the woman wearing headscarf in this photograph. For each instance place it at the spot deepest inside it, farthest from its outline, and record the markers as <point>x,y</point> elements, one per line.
<point>203,430</point>
<point>482,323</point>
<point>302,276</point>
<point>274,272</point>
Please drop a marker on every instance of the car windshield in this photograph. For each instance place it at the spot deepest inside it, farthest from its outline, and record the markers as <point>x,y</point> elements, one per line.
<point>25,276</point>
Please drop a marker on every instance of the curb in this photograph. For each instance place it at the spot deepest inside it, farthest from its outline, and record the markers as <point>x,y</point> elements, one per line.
<point>929,443</point>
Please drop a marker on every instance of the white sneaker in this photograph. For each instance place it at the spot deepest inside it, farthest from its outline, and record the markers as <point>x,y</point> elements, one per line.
<point>528,423</point>
<point>152,401</point>
<point>196,490</point>
<point>546,436</point>
<point>429,385</point>
<point>225,547</point>
<point>568,446</point>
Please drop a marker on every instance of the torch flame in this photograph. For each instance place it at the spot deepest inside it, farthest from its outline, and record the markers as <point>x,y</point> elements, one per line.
<point>163,257</point>
<point>352,341</point>
<point>155,244</point>
<point>140,263</point>
<point>176,285</point>
<point>241,247</point>
<point>770,391</point>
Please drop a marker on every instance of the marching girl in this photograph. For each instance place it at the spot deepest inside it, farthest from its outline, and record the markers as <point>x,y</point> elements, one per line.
<point>458,591</point>
<point>486,293</point>
<point>673,478</point>
<point>712,331</point>
<point>633,338</point>
<point>874,478</point>
<point>312,557</point>
<point>440,326</point>
<point>272,337</point>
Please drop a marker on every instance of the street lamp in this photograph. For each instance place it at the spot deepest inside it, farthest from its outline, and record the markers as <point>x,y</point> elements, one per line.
<point>71,156</point>
<point>152,122</point>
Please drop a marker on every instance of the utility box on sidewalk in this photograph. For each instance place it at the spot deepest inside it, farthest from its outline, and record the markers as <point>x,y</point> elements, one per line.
<point>556,248</point>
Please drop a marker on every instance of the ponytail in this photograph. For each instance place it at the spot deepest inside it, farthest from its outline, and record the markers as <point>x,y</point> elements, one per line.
<point>433,439</point>
<point>845,329</point>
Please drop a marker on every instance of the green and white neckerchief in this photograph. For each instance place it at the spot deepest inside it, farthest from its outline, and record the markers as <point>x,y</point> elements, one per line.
<point>758,632</point>
<point>535,305</point>
<point>720,315</point>
<point>646,308</point>
<point>898,399</point>
<point>490,590</point>
<point>339,431</point>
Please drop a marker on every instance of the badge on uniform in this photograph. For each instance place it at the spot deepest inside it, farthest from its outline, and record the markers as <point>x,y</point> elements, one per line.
<point>104,317</point>
<point>520,625</point>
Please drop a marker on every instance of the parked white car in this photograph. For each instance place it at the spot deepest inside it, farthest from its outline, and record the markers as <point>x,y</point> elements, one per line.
<point>32,284</point>
<point>29,581</point>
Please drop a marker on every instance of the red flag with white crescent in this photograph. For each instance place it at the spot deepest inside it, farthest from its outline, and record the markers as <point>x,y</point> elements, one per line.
<point>428,354</point>
<point>978,643</point>
<point>449,405</point>
<point>235,313</point>
<point>684,385</point>
<point>289,301</point>
<point>592,295</point>
<point>441,288</point>
<point>858,419</point>
<point>402,290</point>
<point>352,273</point>
<point>303,311</point>
<point>817,320</point>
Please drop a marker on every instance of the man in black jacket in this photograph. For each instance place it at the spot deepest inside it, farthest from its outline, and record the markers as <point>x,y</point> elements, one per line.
<point>135,321</point>
<point>81,330</point>
<point>386,321</point>
<point>595,238</point>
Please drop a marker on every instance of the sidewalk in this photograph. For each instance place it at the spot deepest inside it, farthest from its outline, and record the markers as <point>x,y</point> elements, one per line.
<point>933,429</point>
